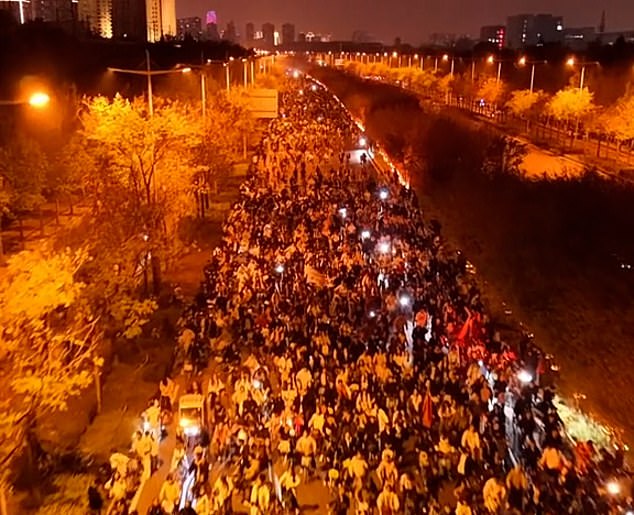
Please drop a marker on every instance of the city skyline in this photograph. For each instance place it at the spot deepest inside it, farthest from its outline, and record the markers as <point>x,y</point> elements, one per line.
<point>411,20</point>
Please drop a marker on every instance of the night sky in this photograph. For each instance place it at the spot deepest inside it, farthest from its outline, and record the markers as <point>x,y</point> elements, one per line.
<point>412,20</point>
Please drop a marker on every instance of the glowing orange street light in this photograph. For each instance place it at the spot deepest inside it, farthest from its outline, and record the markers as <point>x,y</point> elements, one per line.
<point>572,62</point>
<point>39,99</point>
<point>491,60</point>
<point>523,62</point>
<point>445,57</point>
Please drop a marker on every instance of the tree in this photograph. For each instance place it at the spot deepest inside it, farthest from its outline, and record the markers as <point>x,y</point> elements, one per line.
<point>53,321</point>
<point>145,166</point>
<point>48,344</point>
<point>23,170</point>
<point>66,173</point>
<point>524,103</point>
<point>571,104</point>
<point>426,82</point>
<point>491,91</point>
<point>619,119</point>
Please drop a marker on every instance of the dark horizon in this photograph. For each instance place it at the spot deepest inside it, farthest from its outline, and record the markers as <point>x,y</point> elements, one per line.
<point>411,20</point>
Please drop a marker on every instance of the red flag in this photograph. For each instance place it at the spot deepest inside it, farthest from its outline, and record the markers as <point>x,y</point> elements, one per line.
<point>428,415</point>
<point>465,330</point>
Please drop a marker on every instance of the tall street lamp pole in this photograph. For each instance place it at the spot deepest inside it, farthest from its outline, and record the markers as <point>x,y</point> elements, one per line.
<point>149,73</point>
<point>571,62</point>
<point>491,59</point>
<point>523,62</point>
<point>203,89</point>
<point>203,82</point>
<point>150,101</point>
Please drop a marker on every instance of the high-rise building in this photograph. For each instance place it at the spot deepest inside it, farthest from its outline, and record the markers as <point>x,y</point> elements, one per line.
<point>249,34</point>
<point>128,20</point>
<point>230,33</point>
<point>61,12</point>
<point>494,34</point>
<point>533,29</point>
<point>56,11</point>
<point>20,11</point>
<point>161,19</point>
<point>211,26</point>
<point>96,15</point>
<point>190,27</point>
<point>268,35</point>
<point>288,34</point>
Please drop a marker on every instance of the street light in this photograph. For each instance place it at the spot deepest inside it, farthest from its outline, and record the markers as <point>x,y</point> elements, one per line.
<point>523,62</point>
<point>572,62</point>
<point>244,72</point>
<point>149,73</point>
<point>39,100</point>
<point>203,88</point>
<point>491,59</point>
<point>227,77</point>
<point>445,58</point>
